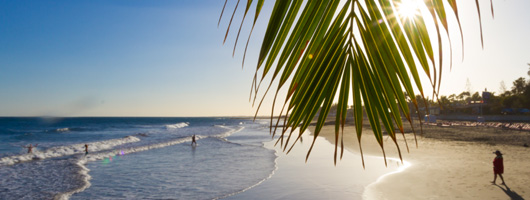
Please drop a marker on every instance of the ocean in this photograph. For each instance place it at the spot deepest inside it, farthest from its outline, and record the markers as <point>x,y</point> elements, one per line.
<point>132,157</point>
<point>152,158</point>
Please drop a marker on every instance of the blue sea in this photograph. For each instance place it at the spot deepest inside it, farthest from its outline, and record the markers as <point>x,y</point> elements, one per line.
<point>132,158</point>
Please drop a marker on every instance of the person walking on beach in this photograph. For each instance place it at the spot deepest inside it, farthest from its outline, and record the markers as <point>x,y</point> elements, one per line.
<point>498,167</point>
<point>193,142</point>
<point>86,149</point>
<point>30,147</point>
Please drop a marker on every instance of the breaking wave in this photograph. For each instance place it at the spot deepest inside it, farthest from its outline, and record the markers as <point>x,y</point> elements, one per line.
<point>177,125</point>
<point>67,150</point>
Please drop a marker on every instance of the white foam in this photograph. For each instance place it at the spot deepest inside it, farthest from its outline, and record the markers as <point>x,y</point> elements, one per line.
<point>83,174</point>
<point>100,156</point>
<point>229,132</point>
<point>67,150</point>
<point>62,129</point>
<point>370,192</point>
<point>177,125</point>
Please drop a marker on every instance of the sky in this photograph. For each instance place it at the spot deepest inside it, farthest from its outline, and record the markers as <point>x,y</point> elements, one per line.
<point>504,56</point>
<point>167,58</point>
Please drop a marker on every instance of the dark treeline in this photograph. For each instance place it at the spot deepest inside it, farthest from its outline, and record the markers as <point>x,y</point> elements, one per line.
<point>513,101</point>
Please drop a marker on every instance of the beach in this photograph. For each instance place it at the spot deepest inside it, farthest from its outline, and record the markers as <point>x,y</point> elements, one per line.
<point>236,159</point>
<point>449,163</point>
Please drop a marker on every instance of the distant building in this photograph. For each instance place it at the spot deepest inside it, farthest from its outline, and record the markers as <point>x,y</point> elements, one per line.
<point>486,96</point>
<point>430,118</point>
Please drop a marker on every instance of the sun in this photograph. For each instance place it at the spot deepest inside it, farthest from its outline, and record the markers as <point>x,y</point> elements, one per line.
<point>408,9</point>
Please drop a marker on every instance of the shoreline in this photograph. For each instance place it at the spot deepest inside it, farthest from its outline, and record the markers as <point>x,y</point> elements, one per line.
<point>318,178</point>
<point>459,159</point>
<point>368,192</point>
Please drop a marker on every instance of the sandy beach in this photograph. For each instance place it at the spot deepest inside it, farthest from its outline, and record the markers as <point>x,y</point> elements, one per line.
<point>449,163</point>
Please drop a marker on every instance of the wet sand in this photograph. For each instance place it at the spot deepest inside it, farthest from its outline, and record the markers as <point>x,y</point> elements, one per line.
<point>318,178</point>
<point>449,163</point>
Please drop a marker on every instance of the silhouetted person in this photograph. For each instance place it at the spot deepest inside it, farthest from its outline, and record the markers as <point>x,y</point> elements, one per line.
<point>498,167</point>
<point>30,147</point>
<point>193,142</point>
<point>86,149</point>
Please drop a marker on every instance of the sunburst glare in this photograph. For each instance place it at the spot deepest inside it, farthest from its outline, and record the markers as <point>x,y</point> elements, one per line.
<point>408,9</point>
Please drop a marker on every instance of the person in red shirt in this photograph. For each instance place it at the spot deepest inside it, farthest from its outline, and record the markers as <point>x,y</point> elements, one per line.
<point>498,167</point>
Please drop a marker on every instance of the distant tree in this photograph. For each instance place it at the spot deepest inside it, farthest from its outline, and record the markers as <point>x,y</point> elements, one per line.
<point>519,86</point>
<point>507,93</point>
<point>452,98</point>
<point>526,96</point>
<point>445,103</point>
<point>420,103</point>
<point>464,96</point>
<point>517,97</point>
<point>494,105</point>
<point>510,102</point>
<point>476,97</point>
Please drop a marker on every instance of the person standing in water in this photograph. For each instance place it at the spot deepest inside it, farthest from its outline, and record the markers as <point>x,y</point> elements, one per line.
<point>193,142</point>
<point>86,149</point>
<point>30,147</point>
<point>498,167</point>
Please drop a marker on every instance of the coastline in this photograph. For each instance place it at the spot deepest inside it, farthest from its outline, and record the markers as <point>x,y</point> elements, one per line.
<point>318,178</point>
<point>445,168</point>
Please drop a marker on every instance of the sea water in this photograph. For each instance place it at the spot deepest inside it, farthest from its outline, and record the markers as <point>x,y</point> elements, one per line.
<point>132,158</point>
<point>152,158</point>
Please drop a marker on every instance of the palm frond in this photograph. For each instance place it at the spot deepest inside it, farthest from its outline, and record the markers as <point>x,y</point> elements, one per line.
<point>359,52</point>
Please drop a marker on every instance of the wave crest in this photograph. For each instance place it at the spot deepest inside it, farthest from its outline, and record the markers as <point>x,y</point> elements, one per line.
<point>67,150</point>
<point>81,162</point>
<point>62,130</point>
<point>177,125</point>
<point>229,131</point>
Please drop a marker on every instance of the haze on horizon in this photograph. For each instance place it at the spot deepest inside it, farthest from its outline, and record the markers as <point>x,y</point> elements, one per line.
<point>166,58</point>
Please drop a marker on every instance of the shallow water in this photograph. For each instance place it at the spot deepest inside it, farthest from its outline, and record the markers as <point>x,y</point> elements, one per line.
<point>319,177</point>
<point>213,169</point>
<point>132,158</point>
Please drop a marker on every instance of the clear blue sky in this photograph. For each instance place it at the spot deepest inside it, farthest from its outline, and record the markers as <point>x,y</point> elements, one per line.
<point>166,58</point>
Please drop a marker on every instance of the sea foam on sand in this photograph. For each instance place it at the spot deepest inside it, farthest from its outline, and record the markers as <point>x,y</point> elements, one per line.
<point>319,178</point>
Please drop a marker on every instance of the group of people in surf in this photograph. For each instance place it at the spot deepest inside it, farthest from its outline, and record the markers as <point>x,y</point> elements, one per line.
<point>30,148</point>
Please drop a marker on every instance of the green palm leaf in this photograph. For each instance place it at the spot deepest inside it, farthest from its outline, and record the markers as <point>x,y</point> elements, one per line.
<point>360,52</point>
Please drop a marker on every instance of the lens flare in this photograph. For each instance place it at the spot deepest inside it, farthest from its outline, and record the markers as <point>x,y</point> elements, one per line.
<point>408,9</point>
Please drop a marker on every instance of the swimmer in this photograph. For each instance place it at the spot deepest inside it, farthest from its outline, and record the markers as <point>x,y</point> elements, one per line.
<point>86,149</point>
<point>30,147</point>
<point>193,142</point>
